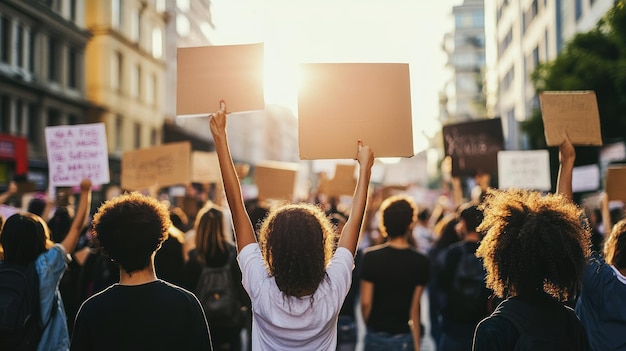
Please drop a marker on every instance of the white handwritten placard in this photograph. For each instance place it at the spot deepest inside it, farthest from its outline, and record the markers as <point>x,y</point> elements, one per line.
<point>524,169</point>
<point>77,152</point>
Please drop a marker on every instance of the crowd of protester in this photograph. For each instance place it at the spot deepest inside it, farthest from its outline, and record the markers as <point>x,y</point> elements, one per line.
<point>508,269</point>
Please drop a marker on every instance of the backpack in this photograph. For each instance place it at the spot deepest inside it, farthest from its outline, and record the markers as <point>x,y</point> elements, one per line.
<point>20,310</point>
<point>538,333</point>
<point>216,291</point>
<point>468,296</point>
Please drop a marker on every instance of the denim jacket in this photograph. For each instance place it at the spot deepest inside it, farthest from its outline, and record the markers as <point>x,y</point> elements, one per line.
<point>50,267</point>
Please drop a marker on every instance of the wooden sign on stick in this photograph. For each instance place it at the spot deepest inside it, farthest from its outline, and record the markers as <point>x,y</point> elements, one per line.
<point>615,180</point>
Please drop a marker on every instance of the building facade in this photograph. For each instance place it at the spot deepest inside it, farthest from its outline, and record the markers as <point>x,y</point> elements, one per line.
<point>42,82</point>
<point>528,32</point>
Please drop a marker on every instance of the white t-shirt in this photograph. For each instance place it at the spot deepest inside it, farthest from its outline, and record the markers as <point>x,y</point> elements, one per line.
<point>290,323</point>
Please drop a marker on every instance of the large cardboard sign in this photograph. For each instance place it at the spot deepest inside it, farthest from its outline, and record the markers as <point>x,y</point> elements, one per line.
<point>615,180</point>
<point>205,167</point>
<point>275,180</point>
<point>340,103</point>
<point>524,170</point>
<point>208,74</point>
<point>473,146</point>
<point>77,152</point>
<point>573,112</point>
<point>342,183</point>
<point>161,166</point>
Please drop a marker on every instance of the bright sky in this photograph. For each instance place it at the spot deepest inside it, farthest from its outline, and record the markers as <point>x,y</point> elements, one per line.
<point>390,31</point>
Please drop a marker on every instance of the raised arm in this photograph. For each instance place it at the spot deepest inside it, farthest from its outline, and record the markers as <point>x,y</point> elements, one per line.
<point>70,241</point>
<point>12,189</point>
<point>244,232</point>
<point>351,231</point>
<point>567,156</point>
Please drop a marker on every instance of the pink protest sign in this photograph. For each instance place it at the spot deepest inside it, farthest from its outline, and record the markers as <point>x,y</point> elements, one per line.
<point>77,152</point>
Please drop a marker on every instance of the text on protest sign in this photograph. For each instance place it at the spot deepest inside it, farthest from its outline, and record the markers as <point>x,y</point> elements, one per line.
<point>524,170</point>
<point>161,166</point>
<point>77,152</point>
<point>573,112</point>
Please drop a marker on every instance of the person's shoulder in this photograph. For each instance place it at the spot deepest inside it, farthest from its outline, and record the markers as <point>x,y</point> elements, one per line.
<point>375,249</point>
<point>495,333</point>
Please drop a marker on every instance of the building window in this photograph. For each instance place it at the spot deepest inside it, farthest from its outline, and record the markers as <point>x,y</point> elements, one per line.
<point>578,8</point>
<point>508,79</point>
<point>151,90</point>
<point>506,41</point>
<point>54,117</point>
<point>135,26</point>
<point>153,136</point>
<point>72,68</point>
<point>157,43</point>
<point>183,27</point>
<point>117,71</point>
<point>19,45</point>
<point>32,36</point>
<point>160,5</point>
<point>53,60</point>
<point>119,128</point>
<point>73,10</point>
<point>183,5</point>
<point>33,124</point>
<point>478,19</point>
<point>5,113</point>
<point>137,132</point>
<point>136,82</point>
<point>5,34</point>
<point>20,107</point>
<point>116,14</point>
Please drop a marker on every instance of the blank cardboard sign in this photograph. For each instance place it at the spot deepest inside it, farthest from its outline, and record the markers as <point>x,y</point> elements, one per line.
<point>615,180</point>
<point>574,112</point>
<point>340,103</point>
<point>208,74</point>
<point>343,183</point>
<point>205,167</point>
<point>275,180</point>
<point>164,165</point>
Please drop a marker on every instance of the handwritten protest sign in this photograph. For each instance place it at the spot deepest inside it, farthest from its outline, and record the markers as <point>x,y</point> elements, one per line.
<point>574,112</point>
<point>585,178</point>
<point>524,170</point>
<point>408,171</point>
<point>275,180</point>
<point>205,168</point>
<point>340,103</point>
<point>473,146</point>
<point>77,152</point>
<point>164,165</point>
<point>208,74</point>
<point>615,180</point>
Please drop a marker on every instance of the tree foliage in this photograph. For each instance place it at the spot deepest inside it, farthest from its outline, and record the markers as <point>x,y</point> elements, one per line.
<point>595,60</point>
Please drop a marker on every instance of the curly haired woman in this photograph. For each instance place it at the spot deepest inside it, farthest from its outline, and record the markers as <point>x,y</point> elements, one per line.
<point>534,250</point>
<point>296,283</point>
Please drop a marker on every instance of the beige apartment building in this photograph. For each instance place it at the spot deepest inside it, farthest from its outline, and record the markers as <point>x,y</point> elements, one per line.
<point>125,70</point>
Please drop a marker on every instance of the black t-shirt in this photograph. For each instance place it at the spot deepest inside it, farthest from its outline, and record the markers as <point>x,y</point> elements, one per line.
<point>395,274</point>
<point>152,316</point>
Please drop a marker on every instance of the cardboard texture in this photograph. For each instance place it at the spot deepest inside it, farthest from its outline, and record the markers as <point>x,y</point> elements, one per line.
<point>340,103</point>
<point>205,167</point>
<point>615,180</point>
<point>275,180</point>
<point>575,112</point>
<point>524,170</point>
<point>77,152</point>
<point>473,146</point>
<point>208,74</point>
<point>161,166</point>
<point>343,183</point>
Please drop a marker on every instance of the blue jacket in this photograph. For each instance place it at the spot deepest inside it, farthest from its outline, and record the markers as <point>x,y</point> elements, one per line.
<point>601,306</point>
<point>50,268</point>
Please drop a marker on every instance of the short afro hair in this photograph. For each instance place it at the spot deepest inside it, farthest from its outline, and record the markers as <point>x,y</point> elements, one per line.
<point>397,214</point>
<point>130,228</point>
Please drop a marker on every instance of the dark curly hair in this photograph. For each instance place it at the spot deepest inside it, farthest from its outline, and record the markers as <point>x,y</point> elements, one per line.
<point>397,213</point>
<point>533,243</point>
<point>615,245</point>
<point>129,228</point>
<point>297,243</point>
<point>24,237</point>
